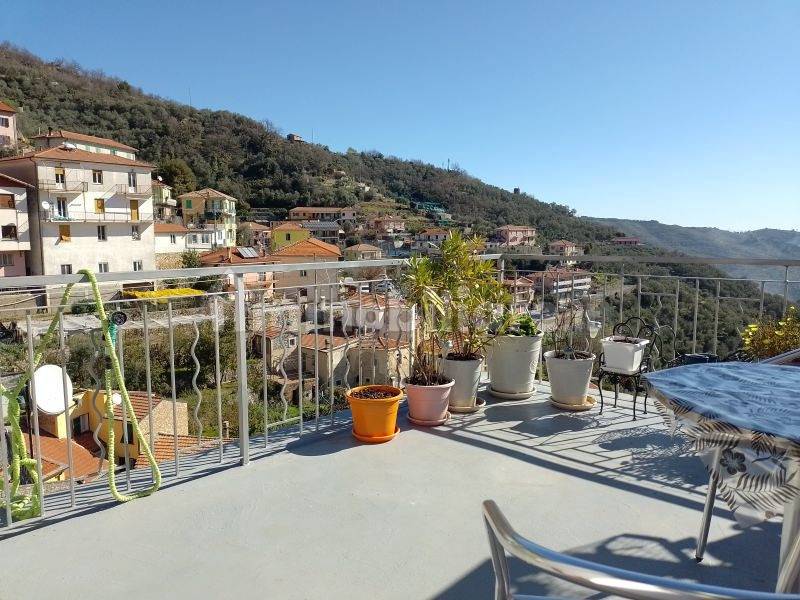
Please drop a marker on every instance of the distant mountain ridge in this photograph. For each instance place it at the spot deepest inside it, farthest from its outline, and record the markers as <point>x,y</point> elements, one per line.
<point>713,242</point>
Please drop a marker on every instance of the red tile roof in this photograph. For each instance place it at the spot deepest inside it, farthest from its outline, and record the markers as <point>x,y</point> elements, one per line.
<point>363,248</point>
<point>231,256</point>
<point>75,155</point>
<point>288,226</point>
<point>170,228</point>
<point>83,137</point>
<point>319,209</point>
<point>140,405</point>
<point>205,194</point>
<point>6,107</point>
<point>309,247</point>
<point>12,182</point>
<point>164,447</point>
<point>55,458</point>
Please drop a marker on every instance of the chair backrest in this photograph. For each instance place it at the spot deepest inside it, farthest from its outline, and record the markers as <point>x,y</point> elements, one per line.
<point>594,576</point>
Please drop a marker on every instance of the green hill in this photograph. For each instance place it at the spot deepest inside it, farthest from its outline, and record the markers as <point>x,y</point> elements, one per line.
<point>250,159</point>
<point>710,241</point>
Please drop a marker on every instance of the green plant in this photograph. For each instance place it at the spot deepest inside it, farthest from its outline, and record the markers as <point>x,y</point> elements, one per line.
<point>473,292</point>
<point>770,337</point>
<point>420,285</point>
<point>518,324</point>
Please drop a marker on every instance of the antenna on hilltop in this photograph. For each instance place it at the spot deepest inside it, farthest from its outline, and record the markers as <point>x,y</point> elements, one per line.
<point>190,97</point>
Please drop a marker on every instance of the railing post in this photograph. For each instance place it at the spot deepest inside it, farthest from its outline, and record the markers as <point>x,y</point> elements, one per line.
<point>696,309</point>
<point>621,292</point>
<point>639,297</point>
<point>716,317</point>
<point>785,289</point>
<point>675,318</point>
<point>241,369</point>
<point>761,301</point>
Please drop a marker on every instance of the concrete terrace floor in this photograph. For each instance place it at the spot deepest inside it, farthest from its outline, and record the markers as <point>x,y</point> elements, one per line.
<point>327,517</point>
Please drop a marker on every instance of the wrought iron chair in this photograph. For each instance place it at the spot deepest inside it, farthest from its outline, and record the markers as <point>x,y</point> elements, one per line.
<point>639,328</point>
<point>610,580</point>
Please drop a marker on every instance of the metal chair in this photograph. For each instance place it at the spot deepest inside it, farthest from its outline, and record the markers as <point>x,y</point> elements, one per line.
<point>633,327</point>
<point>594,576</point>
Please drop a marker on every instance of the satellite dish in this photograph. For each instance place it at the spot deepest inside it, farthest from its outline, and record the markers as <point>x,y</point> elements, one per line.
<point>45,205</point>
<point>159,178</point>
<point>116,399</point>
<point>70,146</point>
<point>48,389</point>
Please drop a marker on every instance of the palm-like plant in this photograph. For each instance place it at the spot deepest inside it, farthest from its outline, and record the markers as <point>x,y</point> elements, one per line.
<point>473,293</point>
<point>420,285</point>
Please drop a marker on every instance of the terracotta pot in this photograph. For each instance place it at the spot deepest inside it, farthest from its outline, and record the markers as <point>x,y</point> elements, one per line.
<point>569,378</point>
<point>512,361</point>
<point>467,376</point>
<point>374,419</point>
<point>428,403</point>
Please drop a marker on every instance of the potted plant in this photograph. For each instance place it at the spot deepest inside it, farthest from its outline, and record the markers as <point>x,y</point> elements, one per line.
<point>623,353</point>
<point>513,357</point>
<point>569,370</point>
<point>473,293</point>
<point>374,410</point>
<point>427,389</point>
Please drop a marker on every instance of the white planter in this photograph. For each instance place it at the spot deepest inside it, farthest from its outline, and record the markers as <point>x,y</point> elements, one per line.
<point>623,357</point>
<point>569,379</point>
<point>467,375</point>
<point>512,361</point>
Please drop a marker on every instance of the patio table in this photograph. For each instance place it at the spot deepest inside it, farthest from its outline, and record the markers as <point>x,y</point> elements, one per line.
<point>744,421</point>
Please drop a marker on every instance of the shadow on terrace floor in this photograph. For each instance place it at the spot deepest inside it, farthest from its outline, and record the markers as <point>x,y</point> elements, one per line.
<point>650,555</point>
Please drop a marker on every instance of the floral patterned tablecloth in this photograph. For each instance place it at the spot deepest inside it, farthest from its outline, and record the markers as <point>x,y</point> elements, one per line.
<point>744,420</point>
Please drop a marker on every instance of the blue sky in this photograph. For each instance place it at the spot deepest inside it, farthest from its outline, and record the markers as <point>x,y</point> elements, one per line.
<point>686,112</point>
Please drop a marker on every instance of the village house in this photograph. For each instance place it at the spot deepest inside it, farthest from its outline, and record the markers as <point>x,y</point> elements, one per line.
<point>164,204</point>
<point>286,233</point>
<point>15,240</point>
<point>428,240</point>
<point>322,213</point>
<point>257,235</point>
<point>566,249</point>
<point>387,224</point>
<point>563,281</point>
<point>626,241</point>
<point>362,252</point>
<point>515,235</point>
<point>327,231</point>
<point>210,216</point>
<point>521,290</point>
<point>238,256</point>
<point>8,125</point>
<point>170,244</point>
<point>310,250</point>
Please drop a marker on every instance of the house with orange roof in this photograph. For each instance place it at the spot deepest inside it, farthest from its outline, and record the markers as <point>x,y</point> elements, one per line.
<point>241,256</point>
<point>87,415</point>
<point>362,252</point>
<point>322,213</point>
<point>8,125</point>
<point>93,206</point>
<point>428,240</point>
<point>210,216</point>
<point>286,233</point>
<point>305,281</point>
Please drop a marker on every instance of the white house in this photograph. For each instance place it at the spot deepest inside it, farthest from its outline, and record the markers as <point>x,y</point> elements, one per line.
<point>15,239</point>
<point>91,210</point>
<point>170,243</point>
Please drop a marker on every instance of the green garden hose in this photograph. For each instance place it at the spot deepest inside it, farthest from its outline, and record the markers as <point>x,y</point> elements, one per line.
<point>25,507</point>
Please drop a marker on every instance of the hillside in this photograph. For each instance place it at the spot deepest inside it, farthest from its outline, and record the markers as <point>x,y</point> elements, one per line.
<point>710,241</point>
<point>251,160</point>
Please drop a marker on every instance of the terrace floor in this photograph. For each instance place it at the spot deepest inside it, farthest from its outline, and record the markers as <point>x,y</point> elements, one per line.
<point>327,517</point>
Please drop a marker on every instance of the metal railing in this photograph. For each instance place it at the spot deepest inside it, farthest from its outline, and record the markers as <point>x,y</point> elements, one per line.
<point>123,189</point>
<point>68,186</point>
<point>267,351</point>
<point>108,216</point>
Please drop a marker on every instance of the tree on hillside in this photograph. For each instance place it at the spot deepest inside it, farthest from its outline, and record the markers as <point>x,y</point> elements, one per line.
<point>176,173</point>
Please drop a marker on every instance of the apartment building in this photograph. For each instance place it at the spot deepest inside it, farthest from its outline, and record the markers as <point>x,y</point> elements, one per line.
<point>8,125</point>
<point>311,250</point>
<point>563,281</point>
<point>515,235</point>
<point>322,213</point>
<point>15,240</point>
<point>88,209</point>
<point>210,217</point>
<point>566,249</point>
<point>521,290</point>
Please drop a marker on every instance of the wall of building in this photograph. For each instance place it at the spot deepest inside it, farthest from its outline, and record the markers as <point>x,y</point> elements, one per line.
<point>164,244</point>
<point>8,131</point>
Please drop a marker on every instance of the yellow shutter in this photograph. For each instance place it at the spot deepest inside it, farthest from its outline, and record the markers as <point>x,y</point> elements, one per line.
<point>99,205</point>
<point>64,233</point>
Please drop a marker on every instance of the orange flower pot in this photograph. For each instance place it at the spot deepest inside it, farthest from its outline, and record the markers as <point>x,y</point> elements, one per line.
<point>374,419</point>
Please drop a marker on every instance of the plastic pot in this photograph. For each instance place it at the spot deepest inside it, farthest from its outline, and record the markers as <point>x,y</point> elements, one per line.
<point>427,404</point>
<point>374,419</point>
<point>512,361</point>
<point>569,378</point>
<point>466,375</point>
<point>623,356</point>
